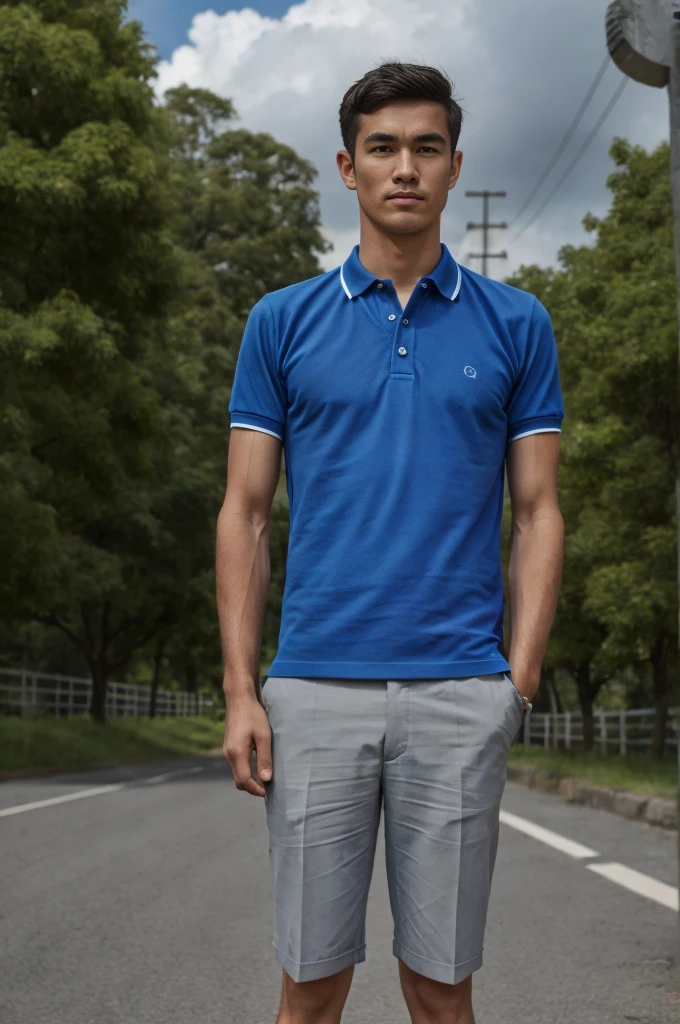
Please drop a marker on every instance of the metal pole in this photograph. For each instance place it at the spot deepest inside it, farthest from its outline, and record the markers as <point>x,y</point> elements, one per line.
<point>674,112</point>
<point>485,234</point>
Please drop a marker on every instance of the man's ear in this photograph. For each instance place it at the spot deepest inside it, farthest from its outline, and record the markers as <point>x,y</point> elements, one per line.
<point>346,168</point>
<point>456,165</point>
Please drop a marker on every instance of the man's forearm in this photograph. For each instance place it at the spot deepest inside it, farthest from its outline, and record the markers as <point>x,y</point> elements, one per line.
<point>243,574</point>
<point>535,573</point>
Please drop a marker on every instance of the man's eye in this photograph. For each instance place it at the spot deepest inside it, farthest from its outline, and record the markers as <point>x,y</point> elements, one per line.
<point>377,148</point>
<point>430,148</point>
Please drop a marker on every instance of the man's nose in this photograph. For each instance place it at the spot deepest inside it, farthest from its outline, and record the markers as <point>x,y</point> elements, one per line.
<point>405,168</point>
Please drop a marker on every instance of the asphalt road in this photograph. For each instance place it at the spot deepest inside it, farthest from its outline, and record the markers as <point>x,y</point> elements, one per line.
<point>150,903</point>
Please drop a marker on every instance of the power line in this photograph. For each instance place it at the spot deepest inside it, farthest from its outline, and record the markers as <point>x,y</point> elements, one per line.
<point>566,138</point>
<point>586,145</point>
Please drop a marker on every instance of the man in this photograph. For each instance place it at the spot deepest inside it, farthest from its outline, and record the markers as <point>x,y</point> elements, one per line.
<point>400,386</point>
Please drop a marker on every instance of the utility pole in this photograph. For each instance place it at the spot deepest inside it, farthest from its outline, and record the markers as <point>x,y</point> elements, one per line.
<point>485,255</point>
<point>643,38</point>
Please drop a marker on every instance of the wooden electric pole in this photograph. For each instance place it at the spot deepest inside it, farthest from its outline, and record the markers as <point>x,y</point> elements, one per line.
<point>485,255</point>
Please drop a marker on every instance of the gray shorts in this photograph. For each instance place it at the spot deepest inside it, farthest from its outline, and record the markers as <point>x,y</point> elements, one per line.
<point>433,752</point>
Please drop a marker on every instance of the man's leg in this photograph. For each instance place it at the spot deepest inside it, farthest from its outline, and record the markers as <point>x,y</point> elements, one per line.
<point>323,808</point>
<point>314,1002</point>
<point>434,1002</point>
<point>444,773</point>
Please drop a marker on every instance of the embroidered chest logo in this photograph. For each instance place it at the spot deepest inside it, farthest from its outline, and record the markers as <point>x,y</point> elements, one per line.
<point>470,371</point>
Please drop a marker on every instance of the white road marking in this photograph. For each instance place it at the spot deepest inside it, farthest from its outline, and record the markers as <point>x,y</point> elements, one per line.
<point>636,881</point>
<point>544,835</point>
<point>83,794</point>
<point>628,878</point>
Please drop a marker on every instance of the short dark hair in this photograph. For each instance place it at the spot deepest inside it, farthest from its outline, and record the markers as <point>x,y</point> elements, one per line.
<point>390,82</point>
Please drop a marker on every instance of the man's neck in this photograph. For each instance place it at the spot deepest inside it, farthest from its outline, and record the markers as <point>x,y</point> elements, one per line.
<point>402,259</point>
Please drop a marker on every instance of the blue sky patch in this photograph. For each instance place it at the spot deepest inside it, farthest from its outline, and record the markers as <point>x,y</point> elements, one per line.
<point>167,22</point>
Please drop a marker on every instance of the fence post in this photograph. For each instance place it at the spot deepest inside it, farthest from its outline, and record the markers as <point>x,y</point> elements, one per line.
<point>567,731</point>
<point>23,699</point>
<point>546,731</point>
<point>622,729</point>
<point>69,712</point>
<point>603,734</point>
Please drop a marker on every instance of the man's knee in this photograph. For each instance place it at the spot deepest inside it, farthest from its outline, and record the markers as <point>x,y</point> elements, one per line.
<point>320,1001</point>
<point>427,999</point>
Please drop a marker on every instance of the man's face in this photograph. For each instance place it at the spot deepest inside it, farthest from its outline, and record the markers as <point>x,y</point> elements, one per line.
<point>402,148</point>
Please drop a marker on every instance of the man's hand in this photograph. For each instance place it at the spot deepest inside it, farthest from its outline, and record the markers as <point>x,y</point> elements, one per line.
<point>247,728</point>
<point>526,681</point>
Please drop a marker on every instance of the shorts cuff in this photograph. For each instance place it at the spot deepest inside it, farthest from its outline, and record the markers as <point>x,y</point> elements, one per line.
<point>311,970</point>
<point>450,974</point>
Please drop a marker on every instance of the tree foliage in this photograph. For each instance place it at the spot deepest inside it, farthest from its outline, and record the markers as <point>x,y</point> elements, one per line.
<point>135,238</point>
<point>613,306</point>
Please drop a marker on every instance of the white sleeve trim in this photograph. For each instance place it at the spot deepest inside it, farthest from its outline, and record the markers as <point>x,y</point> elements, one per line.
<point>539,430</point>
<point>249,426</point>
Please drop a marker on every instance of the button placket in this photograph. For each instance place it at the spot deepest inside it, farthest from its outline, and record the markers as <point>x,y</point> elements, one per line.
<point>402,353</point>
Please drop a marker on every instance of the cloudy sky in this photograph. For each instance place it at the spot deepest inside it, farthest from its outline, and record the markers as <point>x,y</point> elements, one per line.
<point>520,70</point>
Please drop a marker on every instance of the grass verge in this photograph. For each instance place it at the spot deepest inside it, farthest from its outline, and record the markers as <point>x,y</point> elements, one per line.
<point>635,772</point>
<point>42,743</point>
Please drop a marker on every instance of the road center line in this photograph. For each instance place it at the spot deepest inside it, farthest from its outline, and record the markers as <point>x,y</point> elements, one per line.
<point>636,881</point>
<point>628,878</point>
<point>83,794</point>
<point>544,835</point>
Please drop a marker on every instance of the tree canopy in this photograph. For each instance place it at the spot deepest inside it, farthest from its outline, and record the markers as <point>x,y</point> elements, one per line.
<point>613,306</point>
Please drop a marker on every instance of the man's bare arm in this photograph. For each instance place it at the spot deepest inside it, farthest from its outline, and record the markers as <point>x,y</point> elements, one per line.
<point>536,556</point>
<point>243,575</point>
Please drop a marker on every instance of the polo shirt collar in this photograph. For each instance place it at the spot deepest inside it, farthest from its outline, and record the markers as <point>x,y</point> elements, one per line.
<point>355,278</point>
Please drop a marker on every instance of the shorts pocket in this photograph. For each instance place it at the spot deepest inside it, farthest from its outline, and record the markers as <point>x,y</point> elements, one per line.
<point>518,695</point>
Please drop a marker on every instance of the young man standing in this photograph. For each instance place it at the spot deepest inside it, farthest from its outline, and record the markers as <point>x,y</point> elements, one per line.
<point>400,386</point>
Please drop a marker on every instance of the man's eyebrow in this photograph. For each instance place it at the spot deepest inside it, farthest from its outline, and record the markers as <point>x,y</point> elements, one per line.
<point>430,137</point>
<point>387,137</point>
<point>380,137</point>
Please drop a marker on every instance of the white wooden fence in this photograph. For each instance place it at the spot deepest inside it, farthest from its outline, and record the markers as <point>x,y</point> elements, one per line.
<point>21,691</point>
<point>618,732</point>
<point>29,692</point>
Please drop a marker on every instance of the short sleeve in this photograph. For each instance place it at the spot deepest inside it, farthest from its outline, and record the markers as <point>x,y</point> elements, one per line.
<point>536,403</point>
<point>258,399</point>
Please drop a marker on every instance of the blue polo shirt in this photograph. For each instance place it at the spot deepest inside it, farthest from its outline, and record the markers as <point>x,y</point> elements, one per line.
<point>395,425</point>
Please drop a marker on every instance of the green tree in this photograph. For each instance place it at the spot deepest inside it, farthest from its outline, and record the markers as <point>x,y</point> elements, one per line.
<point>247,220</point>
<point>86,272</point>
<point>614,309</point>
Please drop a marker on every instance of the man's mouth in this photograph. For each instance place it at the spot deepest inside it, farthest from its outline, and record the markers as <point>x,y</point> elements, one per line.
<point>405,199</point>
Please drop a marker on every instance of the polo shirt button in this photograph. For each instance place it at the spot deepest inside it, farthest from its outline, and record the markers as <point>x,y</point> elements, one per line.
<point>423,285</point>
<point>402,351</point>
<point>379,284</point>
<point>405,322</point>
<point>392,316</point>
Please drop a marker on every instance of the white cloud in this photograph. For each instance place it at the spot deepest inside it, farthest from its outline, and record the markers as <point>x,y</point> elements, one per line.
<point>520,71</point>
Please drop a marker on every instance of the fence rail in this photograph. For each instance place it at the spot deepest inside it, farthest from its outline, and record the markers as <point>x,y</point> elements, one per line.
<point>21,691</point>
<point>619,732</point>
<point>24,692</point>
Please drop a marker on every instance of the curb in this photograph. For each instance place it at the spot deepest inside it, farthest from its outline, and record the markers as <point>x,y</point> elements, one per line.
<point>654,810</point>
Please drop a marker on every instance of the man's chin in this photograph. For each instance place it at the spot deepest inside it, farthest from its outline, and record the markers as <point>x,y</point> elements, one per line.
<point>406,223</point>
